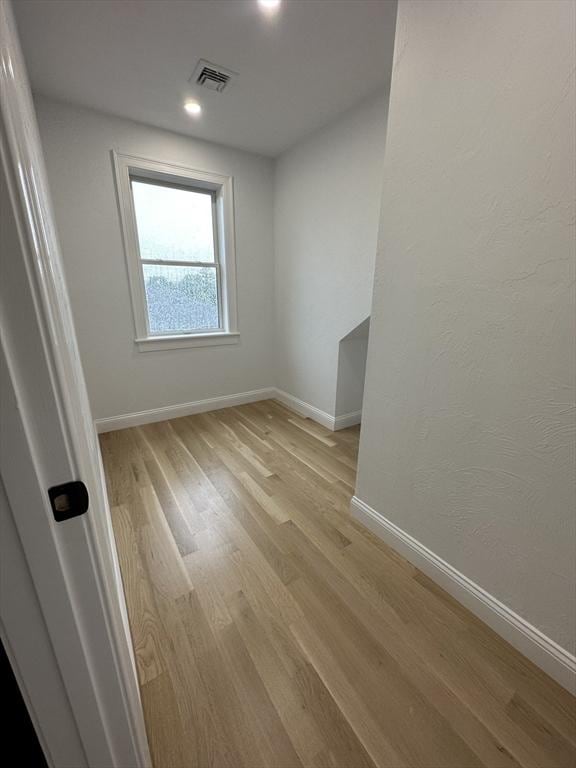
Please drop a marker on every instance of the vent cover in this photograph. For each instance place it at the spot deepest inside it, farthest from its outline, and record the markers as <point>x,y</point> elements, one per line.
<point>212,76</point>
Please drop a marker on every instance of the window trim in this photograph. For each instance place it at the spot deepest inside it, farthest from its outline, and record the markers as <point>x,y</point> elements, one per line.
<point>222,187</point>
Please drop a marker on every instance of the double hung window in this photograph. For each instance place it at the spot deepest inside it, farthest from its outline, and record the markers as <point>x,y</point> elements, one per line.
<point>179,242</point>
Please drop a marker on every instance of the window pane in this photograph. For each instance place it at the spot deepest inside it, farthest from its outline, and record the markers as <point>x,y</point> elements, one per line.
<point>181,298</point>
<point>173,224</point>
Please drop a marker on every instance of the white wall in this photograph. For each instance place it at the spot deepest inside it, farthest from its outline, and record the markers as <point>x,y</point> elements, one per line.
<point>468,435</point>
<point>327,201</point>
<point>77,144</point>
<point>324,206</point>
<point>352,355</point>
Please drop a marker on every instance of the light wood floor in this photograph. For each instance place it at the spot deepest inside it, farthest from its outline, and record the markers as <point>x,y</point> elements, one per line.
<point>271,630</point>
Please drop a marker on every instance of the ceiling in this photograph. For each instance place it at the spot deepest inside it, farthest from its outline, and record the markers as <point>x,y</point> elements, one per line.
<point>298,69</point>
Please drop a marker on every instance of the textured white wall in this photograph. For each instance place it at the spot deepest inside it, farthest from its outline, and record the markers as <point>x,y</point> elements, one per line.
<point>468,435</point>
<point>120,379</point>
<point>327,201</point>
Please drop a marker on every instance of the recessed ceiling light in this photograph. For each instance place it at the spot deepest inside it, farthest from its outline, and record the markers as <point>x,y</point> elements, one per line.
<point>192,107</point>
<point>269,5</point>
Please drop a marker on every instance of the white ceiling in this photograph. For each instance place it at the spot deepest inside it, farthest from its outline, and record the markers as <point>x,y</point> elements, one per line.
<point>298,69</point>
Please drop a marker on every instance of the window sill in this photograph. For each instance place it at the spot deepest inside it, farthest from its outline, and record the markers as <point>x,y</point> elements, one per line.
<point>155,343</point>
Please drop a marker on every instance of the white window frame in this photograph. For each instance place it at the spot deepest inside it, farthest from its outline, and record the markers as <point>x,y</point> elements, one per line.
<point>129,166</point>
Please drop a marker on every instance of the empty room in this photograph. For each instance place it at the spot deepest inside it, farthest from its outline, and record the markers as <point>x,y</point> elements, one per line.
<point>288,356</point>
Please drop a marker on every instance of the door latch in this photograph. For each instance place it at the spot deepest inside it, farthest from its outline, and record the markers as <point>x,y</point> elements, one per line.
<point>68,500</point>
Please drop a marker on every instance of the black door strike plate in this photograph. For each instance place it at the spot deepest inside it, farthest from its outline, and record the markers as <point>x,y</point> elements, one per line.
<point>68,500</point>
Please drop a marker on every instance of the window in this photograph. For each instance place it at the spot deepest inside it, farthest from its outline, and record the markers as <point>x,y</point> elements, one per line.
<point>179,242</point>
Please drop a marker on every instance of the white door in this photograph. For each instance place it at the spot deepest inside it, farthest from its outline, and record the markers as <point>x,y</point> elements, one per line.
<point>62,607</point>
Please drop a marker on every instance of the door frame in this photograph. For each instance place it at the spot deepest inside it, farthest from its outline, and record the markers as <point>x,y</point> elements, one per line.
<point>48,438</point>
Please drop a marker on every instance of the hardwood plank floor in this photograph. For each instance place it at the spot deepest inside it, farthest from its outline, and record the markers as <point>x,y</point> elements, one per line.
<point>271,630</point>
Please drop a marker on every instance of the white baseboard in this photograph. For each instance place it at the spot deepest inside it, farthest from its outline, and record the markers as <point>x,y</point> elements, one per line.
<point>310,411</point>
<point>347,420</point>
<point>556,661</point>
<point>304,409</point>
<point>125,420</point>
<point>184,409</point>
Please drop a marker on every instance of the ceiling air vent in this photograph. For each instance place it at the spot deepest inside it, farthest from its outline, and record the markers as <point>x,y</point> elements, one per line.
<point>212,76</point>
